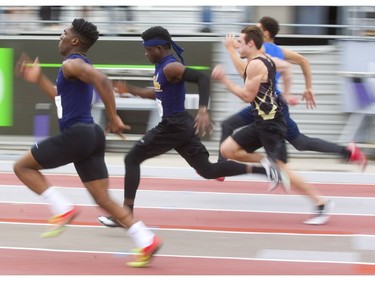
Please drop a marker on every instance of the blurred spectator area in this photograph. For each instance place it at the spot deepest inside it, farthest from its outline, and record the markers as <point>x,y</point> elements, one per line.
<point>121,20</point>
<point>364,17</point>
<point>320,36</point>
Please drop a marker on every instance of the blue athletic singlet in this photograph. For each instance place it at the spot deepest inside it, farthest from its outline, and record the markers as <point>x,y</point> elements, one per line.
<point>273,50</point>
<point>169,96</point>
<point>73,99</point>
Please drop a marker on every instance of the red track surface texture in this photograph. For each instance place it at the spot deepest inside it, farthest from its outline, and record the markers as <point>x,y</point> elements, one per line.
<point>21,261</point>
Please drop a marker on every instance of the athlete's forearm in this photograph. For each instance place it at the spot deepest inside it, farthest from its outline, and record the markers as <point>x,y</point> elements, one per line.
<point>47,86</point>
<point>203,82</point>
<point>146,93</point>
<point>306,70</point>
<point>105,90</point>
<point>304,64</point>
<point>240,92</point>
<point>237,61</point>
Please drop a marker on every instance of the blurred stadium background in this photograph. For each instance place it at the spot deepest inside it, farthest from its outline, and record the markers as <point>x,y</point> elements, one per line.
<point>337,41</point>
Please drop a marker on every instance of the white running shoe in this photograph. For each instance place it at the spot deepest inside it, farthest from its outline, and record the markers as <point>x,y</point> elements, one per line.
<point>109,221</point>
<point>322,214</point>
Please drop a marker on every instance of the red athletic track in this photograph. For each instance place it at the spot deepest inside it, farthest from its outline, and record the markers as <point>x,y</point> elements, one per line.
<point>116,182</point>
<point>13,261</point>
<point>19,262</point>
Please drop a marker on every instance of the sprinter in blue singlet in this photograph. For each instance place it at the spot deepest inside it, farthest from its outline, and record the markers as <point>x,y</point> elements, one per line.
<point>81,141</point>
<point>178,129</point>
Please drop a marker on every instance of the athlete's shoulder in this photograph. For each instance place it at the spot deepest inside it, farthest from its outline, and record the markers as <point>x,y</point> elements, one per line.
<point>273,50</point>
<point>173,70</point>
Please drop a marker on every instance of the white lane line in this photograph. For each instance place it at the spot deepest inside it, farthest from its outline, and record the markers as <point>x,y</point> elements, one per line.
<point>365,243</point>
<point>176,208</point>
<point>227,179</point>
<point>155,228</point>
<point>190,256</point>
<point>273,254</point>
<point>201,209</point>
<point>115,190</point>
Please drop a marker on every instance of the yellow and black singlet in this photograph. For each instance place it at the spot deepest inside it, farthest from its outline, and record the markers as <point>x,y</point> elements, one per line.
<point>266,105</point>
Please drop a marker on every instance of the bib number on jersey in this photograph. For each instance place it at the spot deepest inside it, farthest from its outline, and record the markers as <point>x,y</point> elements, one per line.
<point>160,107</point>
<point>59,107</point>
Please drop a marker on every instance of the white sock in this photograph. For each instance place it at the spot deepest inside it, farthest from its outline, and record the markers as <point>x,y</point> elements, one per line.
<point>58,203</point>
<point>141,235</point>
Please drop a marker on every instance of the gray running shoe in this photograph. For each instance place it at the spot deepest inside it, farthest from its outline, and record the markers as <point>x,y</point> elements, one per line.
<point>275,175</point>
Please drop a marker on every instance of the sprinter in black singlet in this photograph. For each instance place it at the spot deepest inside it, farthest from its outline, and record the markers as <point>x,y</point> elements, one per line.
<point>270,28</point>
<point>269,128</point>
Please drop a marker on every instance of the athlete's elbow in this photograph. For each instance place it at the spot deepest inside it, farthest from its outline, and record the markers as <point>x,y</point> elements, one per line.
<point>247,98</point>
<point>304,63</point>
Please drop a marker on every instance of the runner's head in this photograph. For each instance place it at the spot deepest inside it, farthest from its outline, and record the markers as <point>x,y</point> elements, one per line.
<point>86,32</point>
<point>269,26</point>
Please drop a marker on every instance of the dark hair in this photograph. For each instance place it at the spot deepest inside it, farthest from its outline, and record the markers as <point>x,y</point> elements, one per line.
<point>253,33</point>
<point>157,32</point>
<point>86,31</point>
<point>271,25</point>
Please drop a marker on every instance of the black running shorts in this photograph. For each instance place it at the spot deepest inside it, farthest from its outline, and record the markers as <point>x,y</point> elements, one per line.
<point>82,144</point>
<point>269,134</point>
<point>176,132</point>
